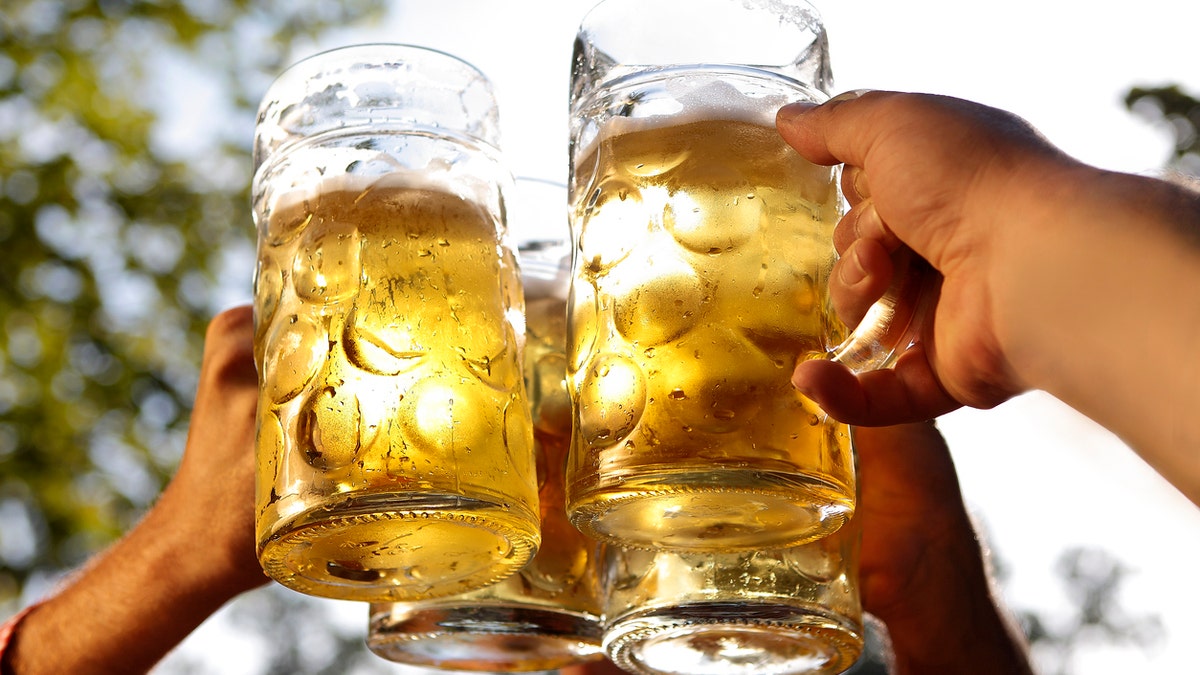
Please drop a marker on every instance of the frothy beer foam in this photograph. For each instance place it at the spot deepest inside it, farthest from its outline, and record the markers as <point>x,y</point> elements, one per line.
<point>688,98</point>
<point>376,171</point>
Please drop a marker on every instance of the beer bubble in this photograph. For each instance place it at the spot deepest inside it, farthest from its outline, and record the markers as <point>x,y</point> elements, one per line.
<point>712,216</point>
<point>612,398</point>
<point>712,382</point>
<point>474,323</point>
<point>788,430</point>
<point>498,370</point>
<point>294,352</point>
<point>271,446</point>
<point>285,223</point>
<point>656,297</point>
<point>268,293</point>
<point>782,303</point>
<point>624,226</point>
<point>329,428</point>
<point>442,417</point>
<point>379,343</point>
<point>656,161</point>
<point>326,268</point>
<point>518,441</point>
<point>583,330</point>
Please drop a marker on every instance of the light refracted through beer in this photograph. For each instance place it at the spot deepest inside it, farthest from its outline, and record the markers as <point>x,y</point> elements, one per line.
<point>547,615</point>
<point>393,426</point>
<point>704,250</point>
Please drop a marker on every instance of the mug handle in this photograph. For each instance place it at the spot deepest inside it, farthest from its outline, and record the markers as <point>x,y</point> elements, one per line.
<point>895,321</point>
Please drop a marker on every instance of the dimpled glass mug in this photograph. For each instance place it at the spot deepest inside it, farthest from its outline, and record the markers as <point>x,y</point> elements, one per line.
<point>395,447</point>
<point>547,615</point>
<point>770,612</point>
<point>703,254</point>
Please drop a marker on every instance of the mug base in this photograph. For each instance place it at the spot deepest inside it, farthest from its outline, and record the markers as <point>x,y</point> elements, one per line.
<point>487,638</point>
<point>734,639</point>
<point>397,547</point>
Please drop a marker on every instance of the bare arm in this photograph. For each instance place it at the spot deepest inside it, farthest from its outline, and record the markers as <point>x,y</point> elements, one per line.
<point>193,551</point>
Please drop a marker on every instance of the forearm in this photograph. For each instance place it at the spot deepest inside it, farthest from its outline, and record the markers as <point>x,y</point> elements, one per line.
<point>126,610</point>
<point>1106,312</point>
<point>953,621</point>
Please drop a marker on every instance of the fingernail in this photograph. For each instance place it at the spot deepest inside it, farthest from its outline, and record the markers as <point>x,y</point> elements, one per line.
<point>849,95</point>
<point>801,386</point>
<point>793,110</point>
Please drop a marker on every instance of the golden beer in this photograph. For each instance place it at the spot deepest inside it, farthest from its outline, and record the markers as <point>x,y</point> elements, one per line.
<point>704,247</point>
<point>547,615</point>
<point>394,442</point>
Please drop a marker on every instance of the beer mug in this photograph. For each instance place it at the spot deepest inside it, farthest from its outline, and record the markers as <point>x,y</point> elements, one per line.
<point>703,253</point>
<point>783,612</point>
<point>547,615</point>
<point>395,448</point>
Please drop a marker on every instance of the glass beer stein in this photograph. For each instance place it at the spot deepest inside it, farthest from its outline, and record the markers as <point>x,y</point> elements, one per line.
<point>547,615</point>
<point>703,254</point>
<point>791,611</point>
<point>395,448</point>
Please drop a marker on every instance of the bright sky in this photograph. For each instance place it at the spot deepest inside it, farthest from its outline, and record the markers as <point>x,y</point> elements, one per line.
<point>1040,477</point>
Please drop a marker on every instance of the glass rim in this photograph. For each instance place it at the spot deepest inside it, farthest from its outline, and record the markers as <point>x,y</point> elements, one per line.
<point>624,76</point>
<point>355,53</point>
<point>412,130</point>
<point>284,114</point>
<point>659,41</point>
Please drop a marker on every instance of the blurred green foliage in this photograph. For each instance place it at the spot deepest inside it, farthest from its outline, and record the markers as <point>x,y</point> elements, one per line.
<point>125,133</point>
<point>1093,581</point>
<point>1177,110</point>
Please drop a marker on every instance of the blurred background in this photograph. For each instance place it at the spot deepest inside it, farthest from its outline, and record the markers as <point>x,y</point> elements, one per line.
<point>125,132</point>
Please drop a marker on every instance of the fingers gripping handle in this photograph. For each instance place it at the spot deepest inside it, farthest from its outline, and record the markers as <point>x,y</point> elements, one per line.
<point>895,321</point>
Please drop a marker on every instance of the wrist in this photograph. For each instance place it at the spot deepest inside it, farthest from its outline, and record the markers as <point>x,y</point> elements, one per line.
<point>1031,227</point>
<point>179,556</point>
<point>196,539</point>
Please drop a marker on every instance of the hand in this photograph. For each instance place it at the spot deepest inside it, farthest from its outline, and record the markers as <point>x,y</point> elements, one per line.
<point>1054,275</point>
<point>922,571</point>
<point>212,493</point>
<point>941,175</point>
